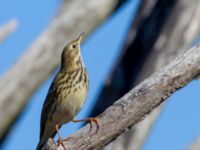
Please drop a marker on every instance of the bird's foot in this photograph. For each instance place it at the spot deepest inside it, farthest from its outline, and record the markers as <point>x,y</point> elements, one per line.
<point>90,120</point>
<point>60,141</point>
<point>68,138</point>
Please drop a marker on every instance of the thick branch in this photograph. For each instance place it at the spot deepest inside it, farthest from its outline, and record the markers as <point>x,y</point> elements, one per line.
<point>37,63</point>
<point>178,33</point>
<point>165,36</point>
<point>139,102</point>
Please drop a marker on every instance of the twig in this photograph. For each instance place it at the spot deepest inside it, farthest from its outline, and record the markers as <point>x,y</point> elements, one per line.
<point>7,29</point>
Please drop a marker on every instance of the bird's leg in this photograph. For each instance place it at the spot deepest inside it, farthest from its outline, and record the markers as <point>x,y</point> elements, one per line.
<point>60,141</point>
<point>89,120</point>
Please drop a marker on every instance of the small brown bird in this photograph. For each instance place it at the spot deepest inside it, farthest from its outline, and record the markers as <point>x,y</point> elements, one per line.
<point>66,94</point>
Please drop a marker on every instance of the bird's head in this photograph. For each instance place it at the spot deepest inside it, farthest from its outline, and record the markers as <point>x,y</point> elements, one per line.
<point>71,55</point>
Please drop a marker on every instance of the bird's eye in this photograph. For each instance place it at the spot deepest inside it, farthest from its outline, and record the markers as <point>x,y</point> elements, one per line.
<point>73,46</point>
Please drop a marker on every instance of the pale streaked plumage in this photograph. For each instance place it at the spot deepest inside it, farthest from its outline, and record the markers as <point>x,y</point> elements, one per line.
<point>66,94</point>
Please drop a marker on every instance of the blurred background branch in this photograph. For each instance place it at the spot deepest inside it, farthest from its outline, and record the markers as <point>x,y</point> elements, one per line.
<point>195,145</point>
<point>43,56</point>
<point>8,28</point>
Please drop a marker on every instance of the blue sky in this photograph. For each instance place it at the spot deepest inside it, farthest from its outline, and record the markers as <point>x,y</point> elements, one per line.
<point>175,129</point>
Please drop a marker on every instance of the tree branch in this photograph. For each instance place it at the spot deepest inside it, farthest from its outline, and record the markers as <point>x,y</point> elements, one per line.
<point>178,33</point>
<point>43,56</point>
<point>139,102</point>
<point>171,34</point>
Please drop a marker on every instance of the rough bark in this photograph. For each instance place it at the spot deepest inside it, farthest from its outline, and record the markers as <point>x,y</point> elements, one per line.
<point>179,31</point>
<point>134,53</point>
<point>179,35</point>
<point>7,29</point>
<point>137,103</point>
<point>134,138</point>
<point>42,57</point>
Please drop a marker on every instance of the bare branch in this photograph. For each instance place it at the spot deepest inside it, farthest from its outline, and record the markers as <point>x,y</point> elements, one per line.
<point>138,103</point>
<point>7,29</point>
<point>43,56</point>
<point>177,31</point>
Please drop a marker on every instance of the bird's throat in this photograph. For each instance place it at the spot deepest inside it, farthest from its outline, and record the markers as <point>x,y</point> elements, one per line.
<point>72,65</point>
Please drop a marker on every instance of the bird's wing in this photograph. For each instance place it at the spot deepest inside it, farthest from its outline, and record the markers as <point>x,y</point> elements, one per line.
<point>48,104</point>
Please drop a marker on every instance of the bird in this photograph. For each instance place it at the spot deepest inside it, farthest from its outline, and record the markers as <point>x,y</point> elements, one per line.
<point>66,95</point>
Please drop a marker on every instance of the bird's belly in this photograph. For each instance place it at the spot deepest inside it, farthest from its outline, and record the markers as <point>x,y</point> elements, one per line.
<point>72,104</point>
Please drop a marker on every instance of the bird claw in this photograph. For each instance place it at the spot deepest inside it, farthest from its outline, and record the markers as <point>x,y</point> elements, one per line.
<point>90,120</point>
<point>60,142</point>
<point>68,138</point>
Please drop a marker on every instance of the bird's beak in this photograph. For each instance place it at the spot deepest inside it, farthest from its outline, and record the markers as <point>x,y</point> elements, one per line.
<point>80,39</point>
